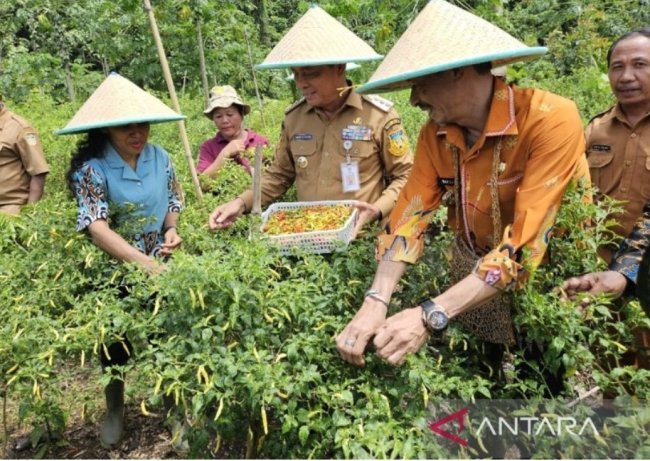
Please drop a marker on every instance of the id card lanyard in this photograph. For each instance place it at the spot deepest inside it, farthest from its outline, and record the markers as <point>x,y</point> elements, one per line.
<point>349,170</point>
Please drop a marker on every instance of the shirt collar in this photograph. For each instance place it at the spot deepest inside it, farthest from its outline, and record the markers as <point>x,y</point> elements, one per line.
<point>501,119</point>
<point>113,160</point>
<point>220,139</point>
<point>618,114</point>
<point>250,137</point>
<point>353,99</point>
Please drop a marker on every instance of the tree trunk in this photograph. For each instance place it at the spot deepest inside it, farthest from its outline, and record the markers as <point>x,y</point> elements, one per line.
<point>204,71</point>
<point>262,19</point>
<point>69,83</point>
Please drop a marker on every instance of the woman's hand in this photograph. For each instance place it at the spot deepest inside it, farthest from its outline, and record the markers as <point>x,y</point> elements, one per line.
<point>233,148</point>
<point>172,242</point>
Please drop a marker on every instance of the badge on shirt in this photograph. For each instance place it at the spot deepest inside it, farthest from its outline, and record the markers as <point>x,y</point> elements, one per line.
<point>443,182</point>
<point>303,137</point>
<point>356,133</point>
<point>398,145</point>
<point>302,162</point>
<point>31,139</point>
<point>600,147</point>
<point>350,176</point>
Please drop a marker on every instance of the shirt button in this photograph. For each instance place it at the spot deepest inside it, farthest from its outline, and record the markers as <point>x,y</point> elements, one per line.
<point>628,163</point>
<point>623,189</point>
<point>139,183</point>
<point>633,135</point>
<point>326,154</point>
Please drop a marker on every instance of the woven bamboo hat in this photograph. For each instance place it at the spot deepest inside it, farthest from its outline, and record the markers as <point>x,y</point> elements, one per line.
<point>442,37</point>
<point>118,101</point>
<point>348,66</point>
<point>224,96</point>
<point>317,39</point>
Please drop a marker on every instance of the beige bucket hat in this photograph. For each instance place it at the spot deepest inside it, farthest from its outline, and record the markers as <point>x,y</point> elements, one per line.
<point>442,37</point>
<point>118,101</point>
<point>318,39</point>
<point>224,96</point>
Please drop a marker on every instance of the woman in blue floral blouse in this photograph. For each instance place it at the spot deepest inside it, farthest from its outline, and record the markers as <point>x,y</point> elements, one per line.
<point>128,200</point>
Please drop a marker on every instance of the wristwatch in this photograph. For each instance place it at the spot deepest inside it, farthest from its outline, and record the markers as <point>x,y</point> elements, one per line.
<point>434,316</point>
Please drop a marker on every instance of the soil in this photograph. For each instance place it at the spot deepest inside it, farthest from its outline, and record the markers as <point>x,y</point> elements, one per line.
<point>145,438</point>
<point>82,399</point>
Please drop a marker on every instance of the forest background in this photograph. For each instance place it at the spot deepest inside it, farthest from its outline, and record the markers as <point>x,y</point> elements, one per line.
<point>241,336</point>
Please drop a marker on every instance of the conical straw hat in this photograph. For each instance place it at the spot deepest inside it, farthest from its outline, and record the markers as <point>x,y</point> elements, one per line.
<point>442,37</point>
<point>118,101</point>
<point>317,39</point>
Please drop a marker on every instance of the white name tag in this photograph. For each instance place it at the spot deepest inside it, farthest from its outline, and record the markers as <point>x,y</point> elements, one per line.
<point>350,176</point>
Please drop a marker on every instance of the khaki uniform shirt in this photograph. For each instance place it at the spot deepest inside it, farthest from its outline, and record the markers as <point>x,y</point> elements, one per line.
<point>619,162</point>
<point>310,153</point>
<point>21,157</point>
<point>538,138</point>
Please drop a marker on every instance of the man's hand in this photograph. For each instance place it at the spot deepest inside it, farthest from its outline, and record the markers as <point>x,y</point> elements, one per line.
<point>367,213</point>
<point>400,335</point>
<point>225,215</point>
<point>608,282</point>
<point>352,341</point>
<point>172,242</point>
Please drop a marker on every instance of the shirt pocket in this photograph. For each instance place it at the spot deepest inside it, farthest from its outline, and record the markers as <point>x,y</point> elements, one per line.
<point>360,150</point>
<point>598,163</point>
<point>303,156</point>
<point>599,159</point>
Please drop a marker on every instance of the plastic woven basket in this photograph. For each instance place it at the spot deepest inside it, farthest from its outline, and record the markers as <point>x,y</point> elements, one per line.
<point>318,242</point>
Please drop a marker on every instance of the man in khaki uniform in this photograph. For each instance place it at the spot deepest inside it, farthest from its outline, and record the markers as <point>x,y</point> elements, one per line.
<point>618,140</point>
<point>618,149</point>
<point>22,163</point>
<point>335,144</point>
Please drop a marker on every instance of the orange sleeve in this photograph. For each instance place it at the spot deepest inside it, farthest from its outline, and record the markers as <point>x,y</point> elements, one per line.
<point>416,203</point>
<point>556,149</point>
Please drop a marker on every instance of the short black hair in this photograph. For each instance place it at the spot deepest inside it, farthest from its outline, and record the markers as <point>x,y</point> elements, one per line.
<point>483,67</point>
<point>644,32</point>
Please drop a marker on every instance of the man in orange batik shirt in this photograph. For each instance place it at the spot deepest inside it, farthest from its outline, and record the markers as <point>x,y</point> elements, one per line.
<point>499,157</point>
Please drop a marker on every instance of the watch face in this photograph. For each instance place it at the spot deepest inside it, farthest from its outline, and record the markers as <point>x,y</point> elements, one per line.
<point>434,317</point>
<point>437,320</point>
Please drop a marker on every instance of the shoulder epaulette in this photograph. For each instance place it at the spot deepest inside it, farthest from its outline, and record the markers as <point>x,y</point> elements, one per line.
<point>294,105</point>
<point>23,123</point>
<point>600,114</point>
<point>377,101</point>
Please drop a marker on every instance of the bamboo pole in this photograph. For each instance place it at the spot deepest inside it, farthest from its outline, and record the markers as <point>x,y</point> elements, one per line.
<point>204,72</point>
<point>256,210</point>
<point>257,90</point>
<point>172,93</point>
<point>257,181</point>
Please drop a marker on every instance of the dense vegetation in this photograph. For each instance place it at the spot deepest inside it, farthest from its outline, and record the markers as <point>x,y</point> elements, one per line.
<point>239,335</point>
